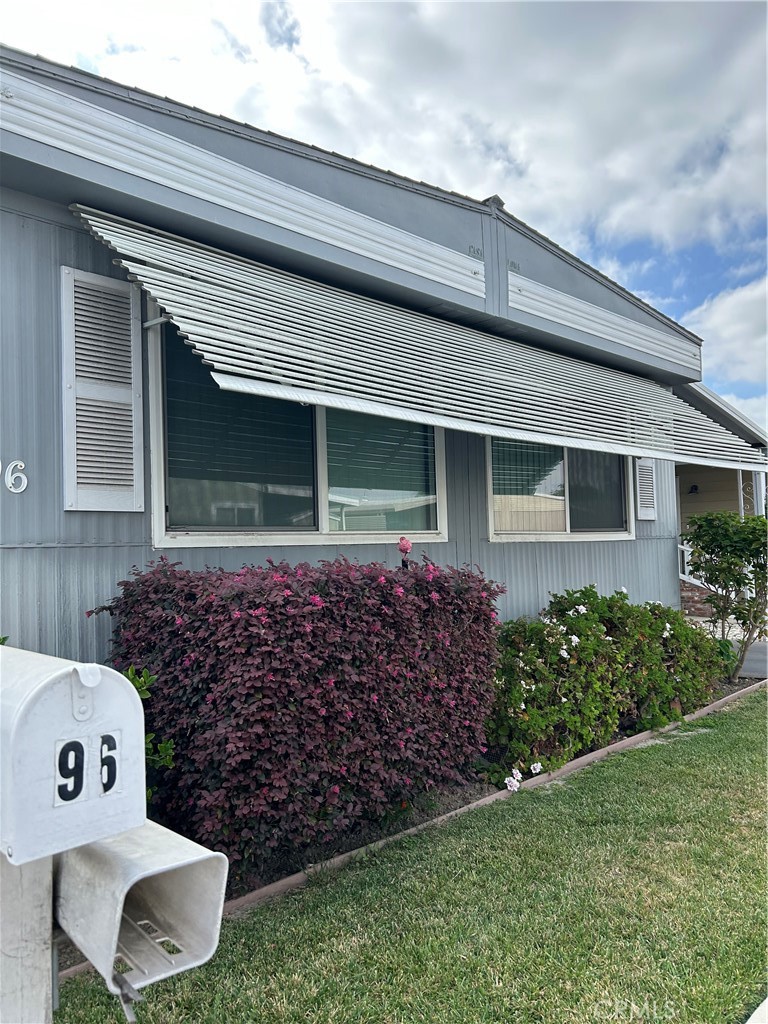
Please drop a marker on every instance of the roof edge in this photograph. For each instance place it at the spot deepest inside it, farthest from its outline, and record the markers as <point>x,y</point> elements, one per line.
<point>221,122</point>
<point>716,407</point>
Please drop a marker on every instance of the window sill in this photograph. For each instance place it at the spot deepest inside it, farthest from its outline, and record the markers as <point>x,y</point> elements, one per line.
<point>558,538</point>
<point>179,539</point>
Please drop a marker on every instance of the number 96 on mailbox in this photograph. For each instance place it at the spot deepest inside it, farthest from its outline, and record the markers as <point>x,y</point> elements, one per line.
<point>71,755</point>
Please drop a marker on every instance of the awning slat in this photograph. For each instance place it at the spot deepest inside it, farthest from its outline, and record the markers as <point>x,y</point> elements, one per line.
<point>266,331</point>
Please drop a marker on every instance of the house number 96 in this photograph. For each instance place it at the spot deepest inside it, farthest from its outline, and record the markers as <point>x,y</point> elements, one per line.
<point>15,477</point>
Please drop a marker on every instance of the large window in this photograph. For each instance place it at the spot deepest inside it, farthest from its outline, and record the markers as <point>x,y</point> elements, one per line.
<point>234,462</point>
<point>546,489</point>
<point>237,464</point>
<point>381,474</point>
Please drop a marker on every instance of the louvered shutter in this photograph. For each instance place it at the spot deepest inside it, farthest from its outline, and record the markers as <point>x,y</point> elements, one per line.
<point>103,447</point>
<point>645,480</point>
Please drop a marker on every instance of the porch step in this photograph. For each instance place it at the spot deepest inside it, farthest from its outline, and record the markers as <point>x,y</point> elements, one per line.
<point>692,599</point>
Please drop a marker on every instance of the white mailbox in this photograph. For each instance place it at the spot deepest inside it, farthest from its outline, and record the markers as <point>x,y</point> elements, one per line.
<point>71,755</point>
<point>142,905</point>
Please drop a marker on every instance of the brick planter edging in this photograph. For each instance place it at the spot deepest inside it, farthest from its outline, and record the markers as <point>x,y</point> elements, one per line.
<point>235,907</point>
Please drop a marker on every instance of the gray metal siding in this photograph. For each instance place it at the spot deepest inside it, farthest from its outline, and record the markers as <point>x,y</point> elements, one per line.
<point>34,245</point>
<point>55,565</point>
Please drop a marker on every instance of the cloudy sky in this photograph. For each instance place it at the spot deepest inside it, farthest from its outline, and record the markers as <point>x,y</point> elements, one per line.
<point>631,133</point>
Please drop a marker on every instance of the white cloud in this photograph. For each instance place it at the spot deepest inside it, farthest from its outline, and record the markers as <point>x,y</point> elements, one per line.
<point>620,120</point>
<point>732,325</point>
<point>755,408</point>
<point>625,274</point>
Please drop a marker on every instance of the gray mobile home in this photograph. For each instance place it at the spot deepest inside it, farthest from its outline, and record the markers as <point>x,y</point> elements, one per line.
<point>221,345</point>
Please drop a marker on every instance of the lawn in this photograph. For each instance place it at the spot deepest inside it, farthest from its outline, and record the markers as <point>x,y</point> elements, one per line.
<point>633,891</point>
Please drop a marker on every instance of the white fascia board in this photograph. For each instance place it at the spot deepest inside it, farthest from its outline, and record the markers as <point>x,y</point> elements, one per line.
<point>540,300</point>
<point>86,130</point>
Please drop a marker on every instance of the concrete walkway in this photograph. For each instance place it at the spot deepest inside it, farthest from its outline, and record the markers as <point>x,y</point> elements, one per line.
<point>756,663</point>
<point>760,1016</point>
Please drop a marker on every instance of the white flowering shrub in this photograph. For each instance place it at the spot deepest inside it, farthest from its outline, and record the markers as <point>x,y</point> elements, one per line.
<point>589,669</point>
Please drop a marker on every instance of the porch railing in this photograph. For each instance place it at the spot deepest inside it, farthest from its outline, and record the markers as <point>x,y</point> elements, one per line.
<point>684,552</point>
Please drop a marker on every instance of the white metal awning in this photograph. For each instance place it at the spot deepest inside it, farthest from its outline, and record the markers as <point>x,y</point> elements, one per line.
<point>268,332</point>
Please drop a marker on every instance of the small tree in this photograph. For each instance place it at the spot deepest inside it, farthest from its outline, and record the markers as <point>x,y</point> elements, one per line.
<point>730,557</point>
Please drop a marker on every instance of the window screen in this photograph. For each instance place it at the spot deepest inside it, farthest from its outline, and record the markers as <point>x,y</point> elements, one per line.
<point>381,474</point>
<point>234,462</point>
<point>596,491</point>
<point>532,483</point>
<point>528,487</point>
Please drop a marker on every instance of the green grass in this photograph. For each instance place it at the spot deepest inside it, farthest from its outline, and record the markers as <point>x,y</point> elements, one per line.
<point>634,891</point>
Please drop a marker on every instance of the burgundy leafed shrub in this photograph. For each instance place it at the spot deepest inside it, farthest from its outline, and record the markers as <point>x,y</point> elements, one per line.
<point>302,700</point>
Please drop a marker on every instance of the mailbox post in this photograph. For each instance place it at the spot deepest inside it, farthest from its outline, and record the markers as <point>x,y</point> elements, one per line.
<point>71,772</point>
<point>141,902</point>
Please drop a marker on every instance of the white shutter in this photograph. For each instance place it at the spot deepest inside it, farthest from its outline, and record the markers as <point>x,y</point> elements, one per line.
<point>645,480</point>
<point>101,363</point>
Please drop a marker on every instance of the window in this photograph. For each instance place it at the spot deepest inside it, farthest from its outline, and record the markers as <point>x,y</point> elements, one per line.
<point>236,465</point>
<point>381,474</point>
<point>233,462</point>
<point>545,489</point>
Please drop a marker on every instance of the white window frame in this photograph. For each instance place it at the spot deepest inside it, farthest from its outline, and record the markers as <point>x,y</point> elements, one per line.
<point>165,537</point>
<point>504,537</point>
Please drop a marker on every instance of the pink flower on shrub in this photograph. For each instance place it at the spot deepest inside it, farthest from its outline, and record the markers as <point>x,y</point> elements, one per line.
<point>237,615</point>
<point>399,591</point>
<point>316,600</point>
<point>407,781</point>
<point>335,789</point>
<point>404,547</point>
<point>89,613</point>
<point>434,596</point>
<point>382,579</point>
<point>179,620</point>
<point>374,698</point>
<point>237,675</point>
